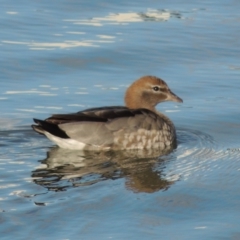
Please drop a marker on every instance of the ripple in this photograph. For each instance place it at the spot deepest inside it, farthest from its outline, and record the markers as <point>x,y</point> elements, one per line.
<point>199,157</point>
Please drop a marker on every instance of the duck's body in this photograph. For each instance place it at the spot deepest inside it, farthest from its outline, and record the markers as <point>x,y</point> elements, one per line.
<point>136,126</point>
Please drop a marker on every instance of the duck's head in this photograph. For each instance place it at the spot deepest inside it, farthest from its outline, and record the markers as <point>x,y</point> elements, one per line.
<point>147,92</point>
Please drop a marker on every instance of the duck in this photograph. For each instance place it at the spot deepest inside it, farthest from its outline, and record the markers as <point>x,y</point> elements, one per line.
<point>137,125</point>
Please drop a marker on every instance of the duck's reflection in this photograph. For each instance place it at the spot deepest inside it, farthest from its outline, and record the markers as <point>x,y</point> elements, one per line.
<point>141,169</point>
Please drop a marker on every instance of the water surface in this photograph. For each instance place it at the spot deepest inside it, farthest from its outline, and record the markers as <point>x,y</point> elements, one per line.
<point>59,57</point>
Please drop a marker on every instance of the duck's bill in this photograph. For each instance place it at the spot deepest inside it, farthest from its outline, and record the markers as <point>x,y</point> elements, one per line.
<point>173,97</point>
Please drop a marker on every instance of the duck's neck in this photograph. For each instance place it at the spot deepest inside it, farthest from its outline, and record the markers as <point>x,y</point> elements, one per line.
<point>136,102</point>
<point>135,99</point>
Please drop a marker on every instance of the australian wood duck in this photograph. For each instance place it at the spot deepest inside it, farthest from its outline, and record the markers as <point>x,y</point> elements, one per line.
<point>138,125</point>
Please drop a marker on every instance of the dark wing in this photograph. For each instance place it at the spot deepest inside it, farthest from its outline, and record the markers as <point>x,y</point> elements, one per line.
<point>102,114</point>
<point>96,115</point>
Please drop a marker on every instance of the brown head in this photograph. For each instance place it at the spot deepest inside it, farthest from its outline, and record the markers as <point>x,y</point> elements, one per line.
<point>147,92</point>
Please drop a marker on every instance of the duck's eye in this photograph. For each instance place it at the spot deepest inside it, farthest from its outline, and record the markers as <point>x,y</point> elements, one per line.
<point>156,89</point>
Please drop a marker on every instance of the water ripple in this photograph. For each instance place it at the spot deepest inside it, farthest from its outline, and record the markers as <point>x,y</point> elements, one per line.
<point>199,157</point>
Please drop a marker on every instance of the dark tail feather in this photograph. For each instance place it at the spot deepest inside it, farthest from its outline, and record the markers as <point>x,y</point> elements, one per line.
<point>44,126</point>
<point>38,129</point>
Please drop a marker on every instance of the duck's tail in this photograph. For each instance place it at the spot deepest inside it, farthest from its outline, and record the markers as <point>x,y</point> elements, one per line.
<point>44,127</point>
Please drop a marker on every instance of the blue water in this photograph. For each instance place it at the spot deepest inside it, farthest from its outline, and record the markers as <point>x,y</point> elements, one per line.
<point>64,56</point>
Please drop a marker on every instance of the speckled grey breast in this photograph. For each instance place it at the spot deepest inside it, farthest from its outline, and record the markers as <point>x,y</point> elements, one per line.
<point>159,134</point>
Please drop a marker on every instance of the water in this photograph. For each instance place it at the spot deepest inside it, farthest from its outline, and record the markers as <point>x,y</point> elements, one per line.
<point>59,57</point>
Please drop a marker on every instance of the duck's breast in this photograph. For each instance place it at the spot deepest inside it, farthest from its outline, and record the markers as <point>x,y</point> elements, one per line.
<point>143,131</point>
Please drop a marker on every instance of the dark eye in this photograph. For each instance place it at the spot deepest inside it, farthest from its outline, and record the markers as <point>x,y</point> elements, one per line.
<point>156,89</point>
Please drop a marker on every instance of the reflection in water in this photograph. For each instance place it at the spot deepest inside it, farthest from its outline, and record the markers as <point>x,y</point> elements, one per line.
<point>128,17</point>
<point>124,18</point>
<point>54,45</point>
<point>63,168</point>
